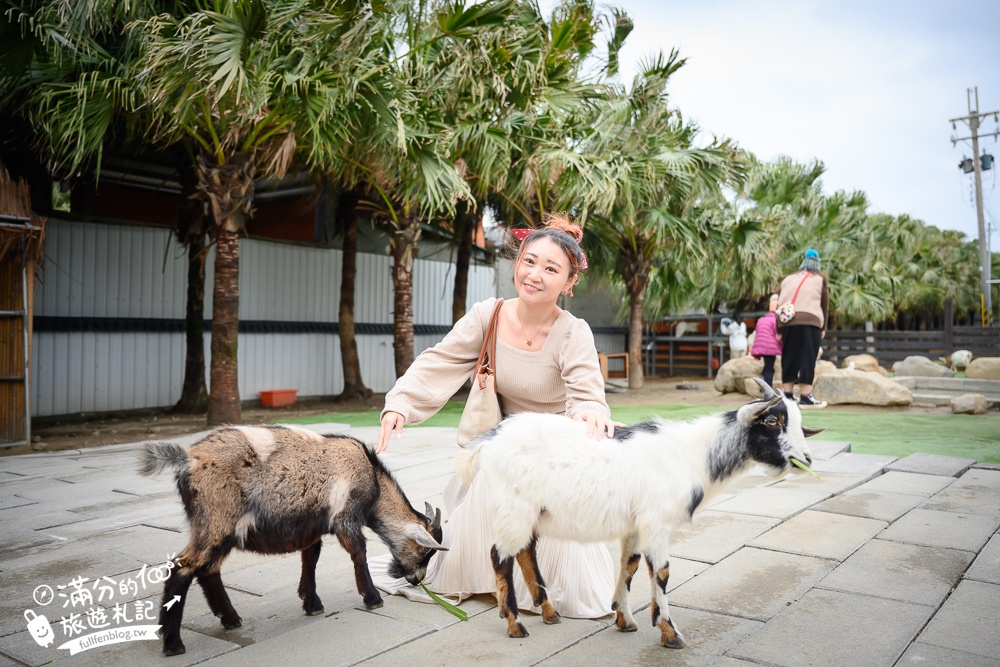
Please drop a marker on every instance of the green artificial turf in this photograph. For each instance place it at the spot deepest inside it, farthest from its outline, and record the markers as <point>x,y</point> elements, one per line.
<point>888,433</point>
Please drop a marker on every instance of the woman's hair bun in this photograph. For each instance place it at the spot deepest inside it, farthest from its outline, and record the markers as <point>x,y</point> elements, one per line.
<point>562,223</point>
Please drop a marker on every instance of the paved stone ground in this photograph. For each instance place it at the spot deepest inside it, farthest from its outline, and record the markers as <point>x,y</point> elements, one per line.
<point>882,562</point>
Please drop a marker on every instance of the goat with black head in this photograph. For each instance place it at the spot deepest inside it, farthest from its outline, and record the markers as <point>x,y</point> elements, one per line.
<point>546,477</point>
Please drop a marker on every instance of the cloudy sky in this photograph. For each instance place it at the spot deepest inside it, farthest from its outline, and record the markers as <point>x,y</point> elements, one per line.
<point>866,86</point>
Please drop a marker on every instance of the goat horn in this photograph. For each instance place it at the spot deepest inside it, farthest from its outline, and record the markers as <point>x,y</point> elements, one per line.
<point>766,390</point>
<point>436,523</point>
<point>428,511</point>
<point>810,432</point>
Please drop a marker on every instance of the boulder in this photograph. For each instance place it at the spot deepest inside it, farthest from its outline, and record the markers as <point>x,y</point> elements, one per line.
<point>969,404</point>
<point>984,368</point>
<point>823,367</point>
<point>862,362</point>
<point>842,386</point>
<point>732,374</point>
<point>917,366</point>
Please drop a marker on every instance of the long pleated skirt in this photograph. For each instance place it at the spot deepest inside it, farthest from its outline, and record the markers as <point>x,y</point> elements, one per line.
<point>579,578</point>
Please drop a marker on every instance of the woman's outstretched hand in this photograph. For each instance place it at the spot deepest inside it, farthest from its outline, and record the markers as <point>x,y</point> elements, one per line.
<point>597,424</point>
<point>391,421</point>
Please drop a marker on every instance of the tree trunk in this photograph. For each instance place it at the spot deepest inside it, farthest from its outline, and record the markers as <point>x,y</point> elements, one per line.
<point>636,301</point>
<point>224,399</point>
<point>466,226</point>
<point>193,233</point>
<point>194,393</point>
<point>347,221</point>
<point>403,244</point>
<point>227,191</point>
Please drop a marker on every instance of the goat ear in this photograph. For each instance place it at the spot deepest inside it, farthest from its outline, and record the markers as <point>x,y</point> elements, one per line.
<point>428,511</point>
<point>419,534</point>
<point>749,413</point>
<point>810,432</point>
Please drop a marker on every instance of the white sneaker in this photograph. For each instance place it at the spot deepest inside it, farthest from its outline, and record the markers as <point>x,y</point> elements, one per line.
<point>811,403</point>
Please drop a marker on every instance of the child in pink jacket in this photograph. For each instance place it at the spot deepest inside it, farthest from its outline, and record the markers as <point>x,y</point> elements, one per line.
<point>767,341</point>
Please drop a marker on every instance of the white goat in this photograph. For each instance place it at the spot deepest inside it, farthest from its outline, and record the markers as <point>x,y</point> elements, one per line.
<point>960,359</point>
<point>546,477</point>
<point>738,343</point>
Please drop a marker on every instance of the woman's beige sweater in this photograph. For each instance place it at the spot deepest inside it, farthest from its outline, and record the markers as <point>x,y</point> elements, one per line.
<point>564,376</point>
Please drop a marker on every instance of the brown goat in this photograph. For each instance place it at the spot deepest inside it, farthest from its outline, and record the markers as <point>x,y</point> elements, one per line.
<point>278,489</point>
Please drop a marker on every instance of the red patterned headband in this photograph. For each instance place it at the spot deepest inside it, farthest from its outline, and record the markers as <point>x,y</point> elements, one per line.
<point>521,233</point>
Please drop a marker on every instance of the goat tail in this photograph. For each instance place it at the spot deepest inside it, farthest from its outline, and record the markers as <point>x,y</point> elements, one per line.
<point>156,456</point>
<point>466,465</point>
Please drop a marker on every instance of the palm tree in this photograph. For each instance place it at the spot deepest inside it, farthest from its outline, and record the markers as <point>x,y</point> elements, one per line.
<point>649,178</point>
<point>249,85</point>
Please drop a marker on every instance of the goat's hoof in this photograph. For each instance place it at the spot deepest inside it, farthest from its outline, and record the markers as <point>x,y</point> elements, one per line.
<point>374,604</point>
<point>678,642</point>
<point>623,625</point>
<point>312,607</point>
<point>554,619</point>
<point>231,623</point>
<point>518,632</point>
<point>316,611</point>
<point>173,648</point>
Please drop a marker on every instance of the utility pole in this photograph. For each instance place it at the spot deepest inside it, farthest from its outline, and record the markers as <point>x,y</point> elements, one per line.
<point>972,120</point>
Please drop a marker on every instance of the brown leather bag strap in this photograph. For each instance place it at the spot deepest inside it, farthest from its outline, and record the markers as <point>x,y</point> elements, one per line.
<point>487,353</point>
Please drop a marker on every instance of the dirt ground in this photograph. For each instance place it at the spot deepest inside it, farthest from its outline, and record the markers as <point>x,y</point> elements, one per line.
<point>93,431</point>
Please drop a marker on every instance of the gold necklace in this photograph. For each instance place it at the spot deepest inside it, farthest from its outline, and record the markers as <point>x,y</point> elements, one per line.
<point>521,327</point>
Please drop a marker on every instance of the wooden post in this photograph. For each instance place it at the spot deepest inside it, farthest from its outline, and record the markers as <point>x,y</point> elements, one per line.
<point>949,326</point>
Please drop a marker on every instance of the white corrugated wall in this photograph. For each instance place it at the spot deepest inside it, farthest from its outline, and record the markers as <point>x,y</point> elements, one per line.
<point>97,270</point>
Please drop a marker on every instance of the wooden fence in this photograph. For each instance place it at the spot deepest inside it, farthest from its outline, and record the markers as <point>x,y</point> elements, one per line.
<point>892,346</point>
<point>665,354</point>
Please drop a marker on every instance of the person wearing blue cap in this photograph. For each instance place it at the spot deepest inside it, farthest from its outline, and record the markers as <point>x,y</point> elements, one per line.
<point>805,299</point>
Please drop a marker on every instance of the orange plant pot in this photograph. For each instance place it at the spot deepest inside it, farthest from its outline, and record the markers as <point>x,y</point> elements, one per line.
<point>278,398</point>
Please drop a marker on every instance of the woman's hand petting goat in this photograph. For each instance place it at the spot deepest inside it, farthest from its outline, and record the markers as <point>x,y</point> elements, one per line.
<point>546,478</point>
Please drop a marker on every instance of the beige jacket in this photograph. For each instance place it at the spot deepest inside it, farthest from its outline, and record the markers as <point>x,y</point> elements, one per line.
<point>812,303</point>
<point>564,376</point>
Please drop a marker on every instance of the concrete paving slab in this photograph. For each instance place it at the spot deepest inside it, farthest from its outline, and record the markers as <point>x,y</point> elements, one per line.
<point>16,540</point>
<point>12,501</point>
<point>908,572</point>
<point>969,620</point>
<point>953,530</point>
<point>772,502</point>
<point>752,583</point>
<point>339,639</point>
<point>869,631</point>
<point>829,482</point>
<point>483,640</point>
<point>932,464</point>
<point>986,567</point>
<point>22,646</point>
<point>868,465</point>
<point>40,520</point>
<point>826,449</point>
<point>820,534</point>
<point>965,499</point>
<point>922,654</point>
<point>912,483</point>
<point>707,637</point>
<point>870,504</point>
<point>713,535</point>
<point>980,478</point>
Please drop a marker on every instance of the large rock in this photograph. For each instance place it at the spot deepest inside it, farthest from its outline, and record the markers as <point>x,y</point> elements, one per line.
<point>735,372</point>
<point>822,367</point>
<point>984,368</point>
<point>969,404</point>
<point>844,386</point>
<point>862,362</point>
<point>917,366</point>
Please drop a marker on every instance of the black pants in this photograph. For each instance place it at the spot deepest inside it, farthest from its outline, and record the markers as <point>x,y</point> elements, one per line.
<point>768,373</point>
<point>800,347</point>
